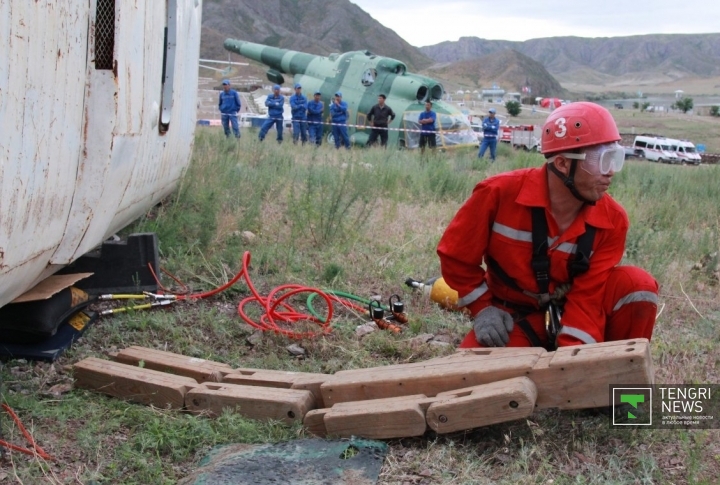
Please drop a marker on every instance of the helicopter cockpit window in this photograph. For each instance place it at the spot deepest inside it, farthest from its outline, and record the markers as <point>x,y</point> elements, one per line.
<point>422,93</point>
<point>453,130</point>
<point>368,77</point>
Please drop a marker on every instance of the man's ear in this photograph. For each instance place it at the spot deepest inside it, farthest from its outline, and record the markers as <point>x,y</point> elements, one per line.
<point>562,164</point>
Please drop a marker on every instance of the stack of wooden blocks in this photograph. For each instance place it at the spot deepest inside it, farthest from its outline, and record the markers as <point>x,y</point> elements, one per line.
<point>469,389</point>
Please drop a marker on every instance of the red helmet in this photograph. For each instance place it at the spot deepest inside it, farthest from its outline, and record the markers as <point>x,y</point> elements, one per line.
<point>578,125</point>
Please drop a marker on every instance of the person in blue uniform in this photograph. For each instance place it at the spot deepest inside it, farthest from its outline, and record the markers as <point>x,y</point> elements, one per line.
<point>274,103</point>
<point>315,110</point>
<point>491,127</point>
<point>427,121</point>
<point>229,106</point>
<point>298,108</point>
<point>339,116</point>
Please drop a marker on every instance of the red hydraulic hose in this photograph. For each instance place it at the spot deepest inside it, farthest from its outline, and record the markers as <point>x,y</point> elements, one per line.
<point>278,313</point>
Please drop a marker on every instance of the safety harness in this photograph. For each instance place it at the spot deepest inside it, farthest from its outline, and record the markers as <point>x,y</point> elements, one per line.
<point>550,303</point>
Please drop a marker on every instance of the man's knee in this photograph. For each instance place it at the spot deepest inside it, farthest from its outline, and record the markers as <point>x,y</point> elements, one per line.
<point>631,298</point>
<point>626,280</point>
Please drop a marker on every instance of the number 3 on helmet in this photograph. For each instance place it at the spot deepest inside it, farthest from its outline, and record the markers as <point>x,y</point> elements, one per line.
<point>578,125</point>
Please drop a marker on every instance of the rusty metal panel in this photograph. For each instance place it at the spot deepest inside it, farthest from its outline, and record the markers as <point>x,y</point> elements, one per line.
<point>81,154</point>
<point>42,61</point>
<point>140,166</point>
<point>154,182</point>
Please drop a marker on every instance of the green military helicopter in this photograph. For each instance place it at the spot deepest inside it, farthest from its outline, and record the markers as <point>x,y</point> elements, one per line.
<point>361,76</point>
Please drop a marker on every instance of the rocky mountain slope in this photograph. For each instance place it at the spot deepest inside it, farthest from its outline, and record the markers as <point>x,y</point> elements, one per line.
<point>659,55</point>
<point>507,67</point>
<point>314,26</point>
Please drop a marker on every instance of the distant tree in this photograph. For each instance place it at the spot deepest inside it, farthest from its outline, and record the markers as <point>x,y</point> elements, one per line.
<point>714,110</point>
<point>513,108</point>
<point>644,106</point>
<point>636,105</point>
<point>684,105</point>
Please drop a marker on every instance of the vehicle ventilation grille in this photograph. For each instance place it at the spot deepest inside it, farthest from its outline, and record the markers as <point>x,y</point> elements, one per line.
<point>104,34</point>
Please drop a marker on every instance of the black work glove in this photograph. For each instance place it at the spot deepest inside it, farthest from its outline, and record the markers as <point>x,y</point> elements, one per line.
<point>492,327</point>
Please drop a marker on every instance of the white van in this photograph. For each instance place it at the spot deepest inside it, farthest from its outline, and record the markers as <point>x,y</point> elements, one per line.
<point>685,151</point>
<point>655,149</point>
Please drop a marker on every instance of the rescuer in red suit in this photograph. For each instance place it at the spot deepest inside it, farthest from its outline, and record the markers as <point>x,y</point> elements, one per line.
<point>551,240</point>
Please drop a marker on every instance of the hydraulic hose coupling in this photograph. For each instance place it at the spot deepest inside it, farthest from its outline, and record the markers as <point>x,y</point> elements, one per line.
<point>377,314</point>
<point>437,290</point>
<point>397,308</point>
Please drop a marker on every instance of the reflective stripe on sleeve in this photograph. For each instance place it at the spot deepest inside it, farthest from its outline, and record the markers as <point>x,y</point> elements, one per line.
<point>636,296</point>
<point>473,295</point>
<point>585,337</point>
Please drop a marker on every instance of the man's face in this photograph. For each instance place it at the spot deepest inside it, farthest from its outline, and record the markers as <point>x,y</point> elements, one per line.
<point>298,91</point>
<point>276,92</point>
<point>589,181</point>
<point>338,99</point>
<point>592,187</point>
<point>428,106</point>
<point>317,97</point>
<point>381,100</point>
<point>492,115</point>
<point>226,87</point>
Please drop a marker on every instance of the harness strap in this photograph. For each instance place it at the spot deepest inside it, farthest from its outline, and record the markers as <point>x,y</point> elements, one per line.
<point>540,264</point>
<point>520,312</point>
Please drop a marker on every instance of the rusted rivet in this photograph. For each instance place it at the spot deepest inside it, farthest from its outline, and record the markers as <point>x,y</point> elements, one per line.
<point>291,414</point>
<point>514,404</point>
<point>196,402</point>
<point>442,418</point>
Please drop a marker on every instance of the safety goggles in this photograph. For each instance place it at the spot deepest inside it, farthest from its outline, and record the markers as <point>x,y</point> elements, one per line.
<point>600,159</point>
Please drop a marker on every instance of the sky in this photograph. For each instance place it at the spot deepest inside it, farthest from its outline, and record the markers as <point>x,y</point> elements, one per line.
<point>428,22</point>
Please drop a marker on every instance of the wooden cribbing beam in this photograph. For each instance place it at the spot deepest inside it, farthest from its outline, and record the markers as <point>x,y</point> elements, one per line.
<point>579,377</point>
<point>280,379</point>
<point>406,416</point>
<point>136,384</point>
<point>199,369</point>
<point>570,378</point>
<point>254,402</point>
<point>496,402</point>
<point>428,379</point>
<point>208,371</point>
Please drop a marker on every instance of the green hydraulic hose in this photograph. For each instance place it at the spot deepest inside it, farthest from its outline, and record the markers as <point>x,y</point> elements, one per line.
<point>339,294</point>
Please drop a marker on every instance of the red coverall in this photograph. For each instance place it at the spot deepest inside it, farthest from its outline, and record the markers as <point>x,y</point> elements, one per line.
<point>608,302</point>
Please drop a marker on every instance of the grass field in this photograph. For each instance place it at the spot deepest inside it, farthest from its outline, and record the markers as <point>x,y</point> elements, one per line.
<point>363,221</point>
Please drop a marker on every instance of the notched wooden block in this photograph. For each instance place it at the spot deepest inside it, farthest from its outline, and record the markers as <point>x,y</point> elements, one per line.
<point>136,384</point>
<point>482,405</point>
<point>263,403</point>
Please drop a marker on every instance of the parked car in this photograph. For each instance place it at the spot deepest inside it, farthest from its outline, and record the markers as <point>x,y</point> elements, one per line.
<point>630,152</point>
<point>685,150</point>
<point>655,149</point>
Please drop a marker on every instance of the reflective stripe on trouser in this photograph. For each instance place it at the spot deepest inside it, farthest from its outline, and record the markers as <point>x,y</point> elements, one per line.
<point>629,303</point>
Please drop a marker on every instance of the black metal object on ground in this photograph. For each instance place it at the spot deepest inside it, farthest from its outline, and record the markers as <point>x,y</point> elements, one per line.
<point>119,266</point>
<point>302,462</point>
<point>51,348</point>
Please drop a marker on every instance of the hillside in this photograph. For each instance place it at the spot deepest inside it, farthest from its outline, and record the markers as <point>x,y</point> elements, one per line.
<point>314,26</point>
<point>652,57</point>
<point>508,68</point>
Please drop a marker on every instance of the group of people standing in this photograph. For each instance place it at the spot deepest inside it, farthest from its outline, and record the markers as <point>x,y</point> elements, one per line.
<point>307,121</point>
